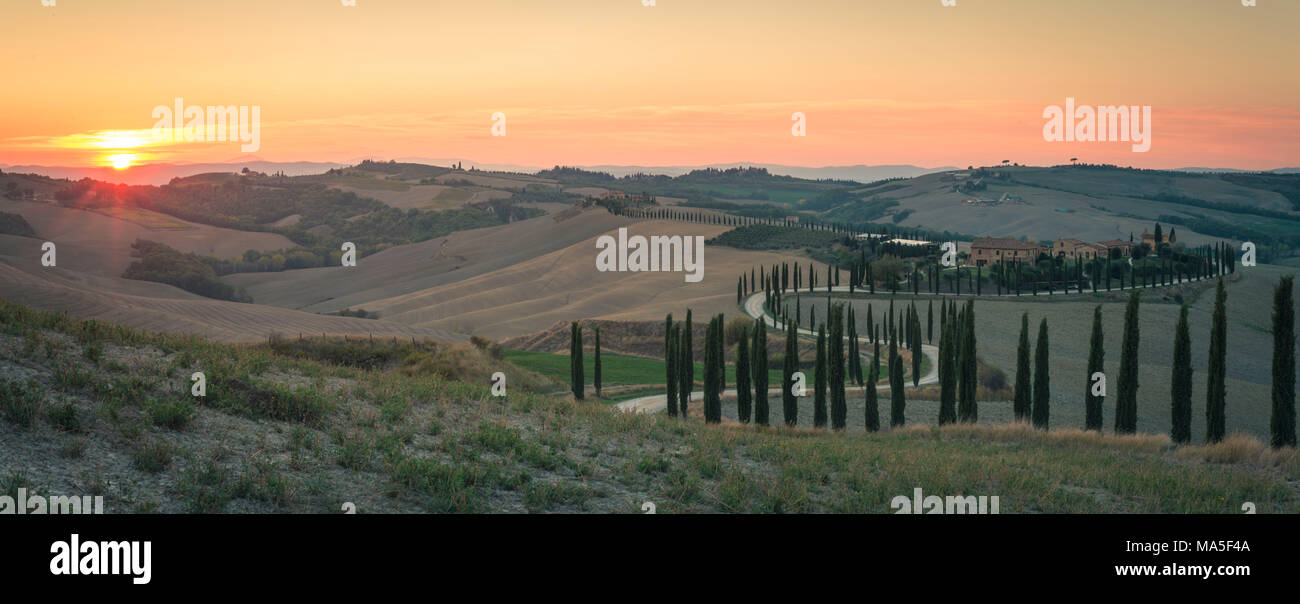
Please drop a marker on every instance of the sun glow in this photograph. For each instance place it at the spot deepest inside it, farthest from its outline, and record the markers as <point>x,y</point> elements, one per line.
<point>121,161</point>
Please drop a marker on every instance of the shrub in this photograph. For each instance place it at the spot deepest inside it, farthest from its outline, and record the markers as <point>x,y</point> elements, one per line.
<point>20,403</point>
<point>65,417</point>
<point>175,415</point>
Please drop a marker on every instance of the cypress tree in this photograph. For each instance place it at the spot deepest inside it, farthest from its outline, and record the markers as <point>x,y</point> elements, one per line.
<point>1021,406</point>
<point>790,365</point>
<point>871,324</point>
<point>929,322</point>
<point>1096,363</point>
<point>1042,377</point>
<point>1181,383</point>
<point>743,401</point>
<point>760,373</point>
<point>819,380</point>
<point>898,404</point>
<point>1126,400</point>
<point>712,401</point>
<point>916,349</point>
<point>947,374</point>
<point>597,361</point>
<point>835,356</point>
<point>671,335</point>
<point>855,356</point>
<point>1281,423</point>
<point>1216,387</point>
<point>579,380</point>
<point>686,382</point>
<point>871,405</point>
<point>967,408</point>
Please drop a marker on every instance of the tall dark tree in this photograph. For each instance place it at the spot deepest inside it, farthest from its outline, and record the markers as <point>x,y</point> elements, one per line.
<point>760,373</point>
<point>1180,388</point>
<point>929,322</point>
<point>686,380</point>
<point>835,372</point>
<point>947,373</point>
<point>917,354</point>
<point>898,404</point>
<point>1281,423</point>
<point>579,380</point>
<point>1093,404</point>
<point>819,380</point>
<point>1042,380</point>
<point>1216,383</point>
<point>712,364</point>
<point>743,400</point>
<point>671,354</point>
<point>1022,399</point>
<point>1126,399</point>
<point>967,408</point>
<point>871,404</point>
<point>596,360</point>
<point>790,365</point>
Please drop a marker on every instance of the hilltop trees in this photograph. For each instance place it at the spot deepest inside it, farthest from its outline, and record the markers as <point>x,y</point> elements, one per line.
<point>1281,423</point>
<point>1096,364</point>
<point>743,400</point>
<point>1042,377</point>
<point>1180,405</point>
<point>1216,386</point>
<point>1126,400</point>
<point>576,379</point>
<point>760,373</point>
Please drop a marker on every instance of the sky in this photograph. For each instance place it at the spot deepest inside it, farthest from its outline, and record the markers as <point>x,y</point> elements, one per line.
<point>615,82</point>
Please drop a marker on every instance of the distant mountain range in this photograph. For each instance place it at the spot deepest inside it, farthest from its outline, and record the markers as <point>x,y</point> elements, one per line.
<point>158,174</point>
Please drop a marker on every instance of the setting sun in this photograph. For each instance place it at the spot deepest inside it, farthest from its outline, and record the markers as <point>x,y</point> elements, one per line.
<point>121,161</point>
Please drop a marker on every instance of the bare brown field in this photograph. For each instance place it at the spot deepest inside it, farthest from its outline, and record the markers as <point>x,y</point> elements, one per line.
<point>412,268</point>
<point>99,243</point>
<point>163,308</point>
<point>497,181</point>
<point>564,284</point>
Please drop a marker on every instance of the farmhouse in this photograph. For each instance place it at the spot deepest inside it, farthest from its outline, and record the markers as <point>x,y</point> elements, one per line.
<point>1125,247</point>
<point>1075,248</point>
<point>1150,238</point>
<point>991,250</point>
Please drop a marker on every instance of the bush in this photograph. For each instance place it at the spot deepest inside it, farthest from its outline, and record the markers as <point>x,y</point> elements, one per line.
<point>175,415</point>
<point>153,457</point>
<point>65,418</point>
<point>20,403</point>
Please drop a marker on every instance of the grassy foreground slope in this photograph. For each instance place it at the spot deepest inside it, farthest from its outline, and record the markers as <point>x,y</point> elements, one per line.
<point>90,408</point>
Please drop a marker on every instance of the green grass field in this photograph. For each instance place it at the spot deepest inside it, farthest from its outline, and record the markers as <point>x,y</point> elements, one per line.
<point>102,409</point>
<point>616,370</point>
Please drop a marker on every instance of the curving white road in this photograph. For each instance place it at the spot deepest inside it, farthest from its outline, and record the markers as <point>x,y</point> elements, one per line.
<point>754,308</point>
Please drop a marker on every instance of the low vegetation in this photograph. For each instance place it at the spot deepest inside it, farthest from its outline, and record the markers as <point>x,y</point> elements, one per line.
<point>299,427</point>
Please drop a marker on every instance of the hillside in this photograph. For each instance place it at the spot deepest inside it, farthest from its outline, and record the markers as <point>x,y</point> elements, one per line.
<point>92,409</point>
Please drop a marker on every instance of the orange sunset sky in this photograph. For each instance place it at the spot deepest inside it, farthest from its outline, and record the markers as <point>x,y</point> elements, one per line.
<point>684,82</point>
